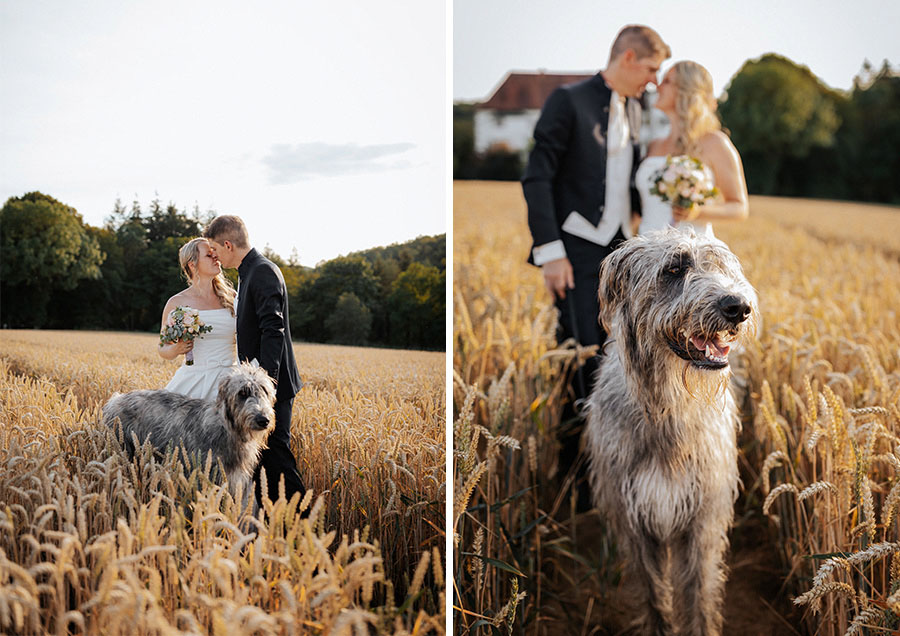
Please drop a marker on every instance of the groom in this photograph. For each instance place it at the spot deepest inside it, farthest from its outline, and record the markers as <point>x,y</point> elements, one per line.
<point>579,189</point>
<point>263,334</point>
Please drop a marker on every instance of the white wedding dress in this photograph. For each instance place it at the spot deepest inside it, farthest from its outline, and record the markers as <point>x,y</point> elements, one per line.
<point>656,214</point>
<point>215,353</point>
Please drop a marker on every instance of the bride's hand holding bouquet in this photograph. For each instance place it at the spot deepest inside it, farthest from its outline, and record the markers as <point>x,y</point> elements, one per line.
<point>687,184</point>
<point>182,327</point>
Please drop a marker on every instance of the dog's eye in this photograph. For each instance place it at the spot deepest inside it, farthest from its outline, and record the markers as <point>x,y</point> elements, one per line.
<point>678,266</point>
<point>244,393</point>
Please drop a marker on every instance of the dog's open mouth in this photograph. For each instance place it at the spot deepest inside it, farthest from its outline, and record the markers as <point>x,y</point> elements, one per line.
<point>706,352</point>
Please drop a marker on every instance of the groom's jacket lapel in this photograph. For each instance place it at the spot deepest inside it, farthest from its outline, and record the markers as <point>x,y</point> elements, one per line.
<point>566,169</point>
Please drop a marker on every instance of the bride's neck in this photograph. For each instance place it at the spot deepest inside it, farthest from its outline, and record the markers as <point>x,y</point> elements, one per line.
<point>674,128</point>
<point>203,287</point>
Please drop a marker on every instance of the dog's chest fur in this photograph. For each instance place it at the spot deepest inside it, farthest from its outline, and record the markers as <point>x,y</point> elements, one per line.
<point>666,468</point>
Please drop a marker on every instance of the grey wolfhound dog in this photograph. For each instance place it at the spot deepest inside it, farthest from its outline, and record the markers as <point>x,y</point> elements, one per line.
<point>234,428</point>
<point>662,421</point>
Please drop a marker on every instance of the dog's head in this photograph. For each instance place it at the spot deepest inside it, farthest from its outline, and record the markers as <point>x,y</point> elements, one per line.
<point>247,394</point>
<point>680,292</point>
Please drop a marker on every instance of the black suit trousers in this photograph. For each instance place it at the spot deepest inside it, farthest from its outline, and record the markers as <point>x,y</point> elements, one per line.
<point>579,312</point>
<point>278,460</point>
<point>579,318</point>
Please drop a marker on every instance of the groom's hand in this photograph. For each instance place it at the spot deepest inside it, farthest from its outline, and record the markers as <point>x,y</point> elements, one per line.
<point>558,277</point>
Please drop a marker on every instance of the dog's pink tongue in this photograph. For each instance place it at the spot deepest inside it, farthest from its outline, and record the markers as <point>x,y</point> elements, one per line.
<point>716,348</point>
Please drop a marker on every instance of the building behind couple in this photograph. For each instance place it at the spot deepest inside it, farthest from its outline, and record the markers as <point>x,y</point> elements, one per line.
<point>582,197</point>
<point>251,323</point>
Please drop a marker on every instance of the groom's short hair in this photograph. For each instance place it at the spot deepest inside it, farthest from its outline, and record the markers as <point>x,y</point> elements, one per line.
<point>642,39</point>
<point>228,228</point>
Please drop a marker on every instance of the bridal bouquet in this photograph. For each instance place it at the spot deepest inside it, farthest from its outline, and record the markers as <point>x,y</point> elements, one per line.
<point>684,181</point>
<point>183,323</point>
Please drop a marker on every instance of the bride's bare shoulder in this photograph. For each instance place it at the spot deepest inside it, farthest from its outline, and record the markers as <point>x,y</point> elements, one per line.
<point>715,141</point>
<point>716,147</point>
<point>181,298</point>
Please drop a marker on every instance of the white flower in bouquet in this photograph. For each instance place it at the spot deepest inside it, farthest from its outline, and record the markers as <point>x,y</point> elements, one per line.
<point>684,181</point>
<point>183,323</point>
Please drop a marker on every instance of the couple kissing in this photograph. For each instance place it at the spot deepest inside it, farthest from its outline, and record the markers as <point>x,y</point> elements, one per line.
<point>247,324</point>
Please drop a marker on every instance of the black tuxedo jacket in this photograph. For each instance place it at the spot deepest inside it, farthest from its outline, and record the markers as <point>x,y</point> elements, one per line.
<point>262,323</point>
<point>566,169</point>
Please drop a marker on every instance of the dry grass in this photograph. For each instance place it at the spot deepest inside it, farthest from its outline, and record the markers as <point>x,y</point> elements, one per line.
<point>820,447</point>
<point>91,542</point>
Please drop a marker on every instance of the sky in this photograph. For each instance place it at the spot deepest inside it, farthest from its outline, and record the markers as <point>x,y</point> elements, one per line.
<point>492,37</point>
<point>322,125</point>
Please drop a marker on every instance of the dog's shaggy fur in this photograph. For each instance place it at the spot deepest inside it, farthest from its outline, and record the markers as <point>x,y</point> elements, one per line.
<point>234,428</point>
<point>662,421</point>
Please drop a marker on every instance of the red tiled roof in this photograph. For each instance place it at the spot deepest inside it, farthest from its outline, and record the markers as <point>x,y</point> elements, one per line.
<point>521,91</point>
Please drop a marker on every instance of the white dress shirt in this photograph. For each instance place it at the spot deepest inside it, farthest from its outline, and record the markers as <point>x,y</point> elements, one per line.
<point>617,206</point>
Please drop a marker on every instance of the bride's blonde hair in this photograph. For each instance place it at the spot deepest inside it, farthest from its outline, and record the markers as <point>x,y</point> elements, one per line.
<point>188,255</point>
<point>695,105</point>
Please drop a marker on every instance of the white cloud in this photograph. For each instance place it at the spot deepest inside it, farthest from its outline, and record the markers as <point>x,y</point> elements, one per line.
<point>290,164</point>
<point>207,100</point>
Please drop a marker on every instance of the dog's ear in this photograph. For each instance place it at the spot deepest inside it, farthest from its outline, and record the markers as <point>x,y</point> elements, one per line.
<point>223,392</point>
<point>614,282</point>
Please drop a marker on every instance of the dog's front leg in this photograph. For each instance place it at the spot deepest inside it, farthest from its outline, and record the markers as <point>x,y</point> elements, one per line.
<point>650,568</point>
<point>699,578</point>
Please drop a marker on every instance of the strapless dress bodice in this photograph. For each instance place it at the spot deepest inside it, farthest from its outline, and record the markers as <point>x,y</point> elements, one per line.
<point>214,353</point>
<point>656,214</point>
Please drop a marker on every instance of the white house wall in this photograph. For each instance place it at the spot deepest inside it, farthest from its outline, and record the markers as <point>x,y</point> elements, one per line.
<point>514,130</point>
<point>655,123</point>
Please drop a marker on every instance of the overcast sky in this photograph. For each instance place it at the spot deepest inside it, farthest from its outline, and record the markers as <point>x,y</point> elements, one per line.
<point>832,38</point>
<point>322,124</point>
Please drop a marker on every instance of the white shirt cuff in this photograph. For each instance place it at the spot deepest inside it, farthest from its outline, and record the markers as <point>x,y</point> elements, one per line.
<point>548,252</point>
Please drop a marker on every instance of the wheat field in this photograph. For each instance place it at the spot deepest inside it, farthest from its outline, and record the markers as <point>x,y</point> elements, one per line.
<point>816,545</point>
<point>91,542</point>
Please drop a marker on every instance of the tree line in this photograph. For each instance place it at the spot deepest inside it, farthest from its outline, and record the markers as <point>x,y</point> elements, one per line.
<point>796,136</point>
<point>57,272</point>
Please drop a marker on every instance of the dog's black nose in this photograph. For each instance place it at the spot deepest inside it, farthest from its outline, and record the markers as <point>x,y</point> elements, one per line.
<point>261,421</point>
<point>734,308</point>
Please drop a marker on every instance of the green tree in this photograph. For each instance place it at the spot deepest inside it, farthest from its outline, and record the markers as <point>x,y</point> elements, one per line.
<point>418,305</point>
<point>44,248</point>
<point>386,270</point>
<point>777,113</point>
<point>298,281</point>
<point>135,213</point>
<point>465,163</point>
<point>132,301</point>
<point>269,253</point>
<point>158,277</point>
<point>202,219</point>
<point>88,305</point>
<point>350,321</point>
<point>344,274</point>
<point>870,136</point>
<point>168,223</point>
<point>431,250</point>
<point>500,164</point>
<point>148,272</point>
<point>118,216</point>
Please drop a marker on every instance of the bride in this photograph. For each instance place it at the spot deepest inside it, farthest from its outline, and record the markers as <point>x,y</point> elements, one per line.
<point>685,96</point>
<point>213,296</point>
